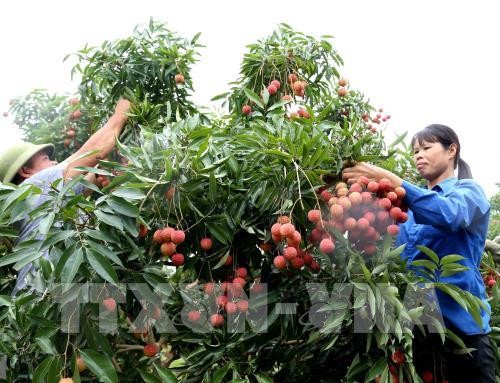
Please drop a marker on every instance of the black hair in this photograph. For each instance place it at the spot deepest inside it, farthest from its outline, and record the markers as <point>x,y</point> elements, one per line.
<point>445,136</point>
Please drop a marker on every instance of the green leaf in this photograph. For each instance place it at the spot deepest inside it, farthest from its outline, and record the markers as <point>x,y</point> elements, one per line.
<point>431,254</point>
<point>123,207</point>
<point>101,365</point>
<point>148,378</point>
<point>220,373</point>
<point>429,265</point>
<point>102,266</point>
<point>71,266</point>
<point>279,104</point>
<point>253,96</point>
<point>46,223</point>
<point>42,370</point>
<point>21,255</point>
<point>129,193</point>
<point>109,219</point>
<point>377,369</point>
<point>448,289</point>
<point>46,345</point>
<point>166,375</point>
<point>261,378</point>
<point>222,261</point>
<point>212,188</point>
<point>451,258</point>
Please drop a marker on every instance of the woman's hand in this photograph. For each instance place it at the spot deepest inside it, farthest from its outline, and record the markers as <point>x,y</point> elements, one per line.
<point>372,172</point>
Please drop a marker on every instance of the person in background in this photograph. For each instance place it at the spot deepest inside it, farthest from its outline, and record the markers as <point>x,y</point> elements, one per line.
<point>27,163</point>
<point>449,215</point>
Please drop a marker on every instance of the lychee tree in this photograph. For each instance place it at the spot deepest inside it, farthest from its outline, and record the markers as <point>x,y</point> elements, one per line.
<point>218,247</point>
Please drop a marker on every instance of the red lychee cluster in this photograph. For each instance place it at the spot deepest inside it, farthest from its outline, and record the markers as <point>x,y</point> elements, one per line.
<point>490,279</point>
<point>377,118</point>
<point>365,211</point>
<point>298,87</point>
<point>288,240</point>
<point>168,238</point>
<point>273,87</point>
<point>229,296</point>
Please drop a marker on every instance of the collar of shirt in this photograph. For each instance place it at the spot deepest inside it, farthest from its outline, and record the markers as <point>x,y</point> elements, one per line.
<point>446,185</point>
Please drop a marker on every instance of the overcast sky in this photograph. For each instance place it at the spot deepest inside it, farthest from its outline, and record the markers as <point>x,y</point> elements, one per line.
<point>423,62</point>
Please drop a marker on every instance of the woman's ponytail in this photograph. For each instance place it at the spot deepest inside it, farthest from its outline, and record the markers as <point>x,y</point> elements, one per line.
<point>464,171</point>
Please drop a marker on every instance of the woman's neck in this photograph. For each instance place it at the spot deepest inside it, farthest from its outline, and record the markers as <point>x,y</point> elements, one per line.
<point>447,174</point>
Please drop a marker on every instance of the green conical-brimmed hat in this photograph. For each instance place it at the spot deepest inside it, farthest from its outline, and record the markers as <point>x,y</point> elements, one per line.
<point>16,156</point>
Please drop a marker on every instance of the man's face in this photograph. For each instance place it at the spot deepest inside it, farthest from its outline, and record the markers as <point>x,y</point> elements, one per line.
<point>37,163</point>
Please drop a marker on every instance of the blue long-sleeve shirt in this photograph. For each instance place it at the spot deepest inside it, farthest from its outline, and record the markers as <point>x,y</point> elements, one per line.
<point>451,218</point>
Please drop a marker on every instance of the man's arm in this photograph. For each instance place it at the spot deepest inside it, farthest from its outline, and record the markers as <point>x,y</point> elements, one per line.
<point>102,141</point>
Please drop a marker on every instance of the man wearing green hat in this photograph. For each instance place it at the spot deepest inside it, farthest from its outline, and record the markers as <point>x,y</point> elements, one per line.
<point>26,163</point>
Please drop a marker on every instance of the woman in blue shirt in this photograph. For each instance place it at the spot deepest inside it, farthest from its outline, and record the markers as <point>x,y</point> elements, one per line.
<point>450,216</point>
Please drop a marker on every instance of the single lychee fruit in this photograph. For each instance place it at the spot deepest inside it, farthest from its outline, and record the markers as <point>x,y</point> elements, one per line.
<point>229,260</point>
<point>395,213</point>
<point>315,266</point>
<point>109,304</point>
<point>385,184</point>
<point>290,253</point>
<point>372,186</point>
<point>221,301</point>
<point>272,89</point>
<point>247,109</point>
<point>168,249</point>
<point>276,83</point>
<point>170,193</point>
<point>392,196</point>
<point>151,349</point>
<point>428,377</point>
<point>314,215</point>
<point>327,246</point>
<point>217,320</point>
<point>287,230</point>
<point>297,263</point>
<point>292,77</point>
<point>241,272</point>
<point>400,192</point>
<point>393,230</point>
<point>143,231</point>
<point>385,203</point>
<point>166,234</point>
<point>177,259</point>
<point>206,244</point>
<point>179,78</point>
<point>80,364</point>
<point>194,316</point>
<point>279,262</point>
<point>157,238</point>
<point>178,236</point>
<point>231,308</point>
<point>342,92</point>
<point>208,288</point>
<point>398,357</point>
<point>242,305</point>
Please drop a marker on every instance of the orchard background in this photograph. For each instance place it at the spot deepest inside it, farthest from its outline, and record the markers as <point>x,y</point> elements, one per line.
<point>227,179</point>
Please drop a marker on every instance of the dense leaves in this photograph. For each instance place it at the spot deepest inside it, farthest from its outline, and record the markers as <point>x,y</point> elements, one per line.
<point>225,178</point>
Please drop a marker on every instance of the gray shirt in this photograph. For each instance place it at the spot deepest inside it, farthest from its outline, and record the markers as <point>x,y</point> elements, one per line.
<point>43,179</point>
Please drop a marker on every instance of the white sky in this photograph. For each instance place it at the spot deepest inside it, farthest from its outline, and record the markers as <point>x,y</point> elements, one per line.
<point>424,61</point>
